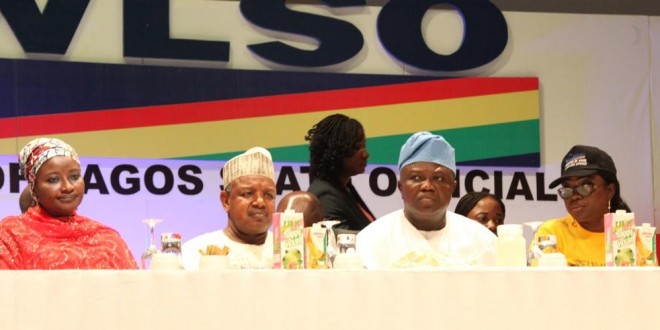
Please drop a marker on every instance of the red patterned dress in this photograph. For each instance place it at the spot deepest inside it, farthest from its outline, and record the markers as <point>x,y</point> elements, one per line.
<point>35,240</point>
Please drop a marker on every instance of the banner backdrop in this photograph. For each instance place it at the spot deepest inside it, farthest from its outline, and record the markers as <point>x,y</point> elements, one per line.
<point>153,138</point>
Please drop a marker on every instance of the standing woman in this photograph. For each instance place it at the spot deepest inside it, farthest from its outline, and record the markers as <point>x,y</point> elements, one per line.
<point>338,151</point>
<point>51,234</point>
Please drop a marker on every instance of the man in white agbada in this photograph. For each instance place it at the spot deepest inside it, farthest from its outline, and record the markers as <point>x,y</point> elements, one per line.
<point>249,200</point>
<point>424,233</point>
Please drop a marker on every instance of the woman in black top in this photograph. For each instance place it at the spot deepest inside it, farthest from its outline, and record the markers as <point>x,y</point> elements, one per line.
<point>338,151</point>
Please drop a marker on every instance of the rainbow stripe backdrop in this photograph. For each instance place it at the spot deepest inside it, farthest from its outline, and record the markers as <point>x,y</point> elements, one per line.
<point>128,111</point>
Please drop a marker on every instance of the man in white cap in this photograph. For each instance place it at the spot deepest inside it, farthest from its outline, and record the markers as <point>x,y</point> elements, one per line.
<point>424,233</point>
<point>249,199</point>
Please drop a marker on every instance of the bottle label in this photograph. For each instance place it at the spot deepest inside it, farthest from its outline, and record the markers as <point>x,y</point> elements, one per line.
<point>171,243</point>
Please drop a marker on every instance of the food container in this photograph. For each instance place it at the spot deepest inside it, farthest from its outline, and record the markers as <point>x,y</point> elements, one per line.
<point>165,261</point>
<point>214,262</point>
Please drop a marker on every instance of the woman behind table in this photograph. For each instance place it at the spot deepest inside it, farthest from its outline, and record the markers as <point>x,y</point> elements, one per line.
<point>483,207</point>
<point>338,151</point>
<point>590,189</point>
<point>51,234</point>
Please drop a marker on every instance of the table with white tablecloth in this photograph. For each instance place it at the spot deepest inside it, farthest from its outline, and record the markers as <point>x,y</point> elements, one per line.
<point>465,298</point>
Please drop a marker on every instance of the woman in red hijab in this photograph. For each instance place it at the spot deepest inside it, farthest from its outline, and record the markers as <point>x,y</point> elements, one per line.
<point>51,234</point>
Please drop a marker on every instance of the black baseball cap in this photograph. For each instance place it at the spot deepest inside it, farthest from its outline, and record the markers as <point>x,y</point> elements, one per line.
<point>583,161</point>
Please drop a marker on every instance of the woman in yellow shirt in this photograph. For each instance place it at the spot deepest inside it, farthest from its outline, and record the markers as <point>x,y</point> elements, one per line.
<point>590,189</point>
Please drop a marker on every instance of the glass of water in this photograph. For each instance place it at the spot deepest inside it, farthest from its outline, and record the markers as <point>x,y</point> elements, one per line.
<point>147,255</point>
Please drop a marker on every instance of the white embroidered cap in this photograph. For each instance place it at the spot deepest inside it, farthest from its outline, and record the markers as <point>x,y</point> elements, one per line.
<point>255,161</point>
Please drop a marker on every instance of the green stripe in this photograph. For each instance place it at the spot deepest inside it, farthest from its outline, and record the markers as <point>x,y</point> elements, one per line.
<point>471,143</point>
<point>494,141</point>
<point>293,154</point>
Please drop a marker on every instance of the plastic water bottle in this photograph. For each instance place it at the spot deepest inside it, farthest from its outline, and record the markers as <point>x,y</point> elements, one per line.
<point>510,246</point>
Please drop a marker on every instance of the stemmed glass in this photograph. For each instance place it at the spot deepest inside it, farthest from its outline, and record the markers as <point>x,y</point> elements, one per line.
<point>332,243</point>
<point>152,249</point>
<point>533,225</point>
<point>533,254</point>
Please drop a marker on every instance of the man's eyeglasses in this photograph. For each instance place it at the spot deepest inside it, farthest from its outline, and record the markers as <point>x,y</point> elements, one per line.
<point>583,190</point>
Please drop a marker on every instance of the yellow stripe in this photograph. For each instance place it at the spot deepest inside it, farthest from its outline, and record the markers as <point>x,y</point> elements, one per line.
<point>10,146</point>
<point>449,114</point>
<point>285,130</point>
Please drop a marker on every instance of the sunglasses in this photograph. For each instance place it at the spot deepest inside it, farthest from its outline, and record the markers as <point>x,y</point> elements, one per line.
<point>583,190</point>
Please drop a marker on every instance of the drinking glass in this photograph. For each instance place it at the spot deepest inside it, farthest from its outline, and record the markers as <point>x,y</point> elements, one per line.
<point>345,242</point>
<point>331,249</point>
<point>151,250</point>
<point>544,245</point>
<point>533,254</point>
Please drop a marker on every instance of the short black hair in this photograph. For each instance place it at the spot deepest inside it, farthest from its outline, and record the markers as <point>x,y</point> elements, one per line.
<point>470,200</point>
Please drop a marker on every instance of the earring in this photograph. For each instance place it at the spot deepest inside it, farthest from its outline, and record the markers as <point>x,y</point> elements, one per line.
<point>35,199</point>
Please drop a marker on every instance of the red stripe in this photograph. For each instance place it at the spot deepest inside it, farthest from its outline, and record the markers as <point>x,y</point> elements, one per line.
<point>261,106</point>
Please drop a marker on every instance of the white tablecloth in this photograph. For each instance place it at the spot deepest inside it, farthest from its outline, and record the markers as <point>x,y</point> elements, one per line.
<point>484,298</point>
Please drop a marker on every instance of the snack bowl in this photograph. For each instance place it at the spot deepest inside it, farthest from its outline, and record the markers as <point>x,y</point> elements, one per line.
<point>214,262</point>
<point>349,260</point>
<point>554,259</point>
<point>165,261</point>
